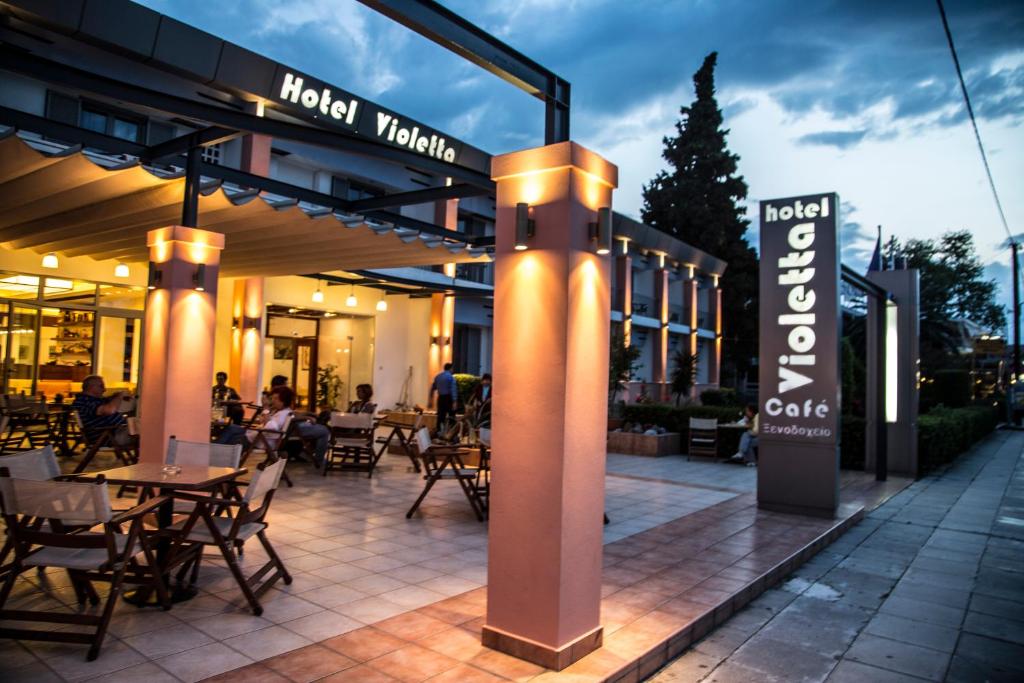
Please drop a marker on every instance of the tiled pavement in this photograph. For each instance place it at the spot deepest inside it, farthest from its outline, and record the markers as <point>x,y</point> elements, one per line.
<point>930,586</point>
<point>356,560</point>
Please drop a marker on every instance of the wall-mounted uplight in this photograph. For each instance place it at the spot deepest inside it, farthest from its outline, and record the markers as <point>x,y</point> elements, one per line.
<point>51,261</point>
<point>525,226</point>
<point>351,301</point>
<point>318,295</point>
<point>121,270</point>
<point>156,276</point>
<point>199,278</point>
<point>234,323</point>
<point>382,305</point>
<point>434,341</point>
<point>601,231</point>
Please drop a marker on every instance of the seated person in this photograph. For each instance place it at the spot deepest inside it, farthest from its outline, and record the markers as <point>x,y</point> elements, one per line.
<point>276,418</point>
<point>275,381</point>
<point>99,412</point>
<point>363,404</point>
<point>307,425</point>
<point>223,395</point>
<point>748,441</point>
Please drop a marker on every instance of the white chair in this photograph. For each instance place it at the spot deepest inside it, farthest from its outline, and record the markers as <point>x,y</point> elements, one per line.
<point>703,437</point>
<point>70,509</point>
<point>205,454</point>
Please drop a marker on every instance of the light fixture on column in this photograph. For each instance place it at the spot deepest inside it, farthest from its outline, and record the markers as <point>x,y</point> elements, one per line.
<point>199,278</point>
<point>121,270</point>
<point>351,301</point>
<point>318,295</point>
<point>156,276</point>
<point>601,231</point>
<point>51,261</point>
<point>382,305</point>
<point>525,226</point>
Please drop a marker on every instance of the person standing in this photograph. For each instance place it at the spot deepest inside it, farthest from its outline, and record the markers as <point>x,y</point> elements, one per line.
<point>447,396</point>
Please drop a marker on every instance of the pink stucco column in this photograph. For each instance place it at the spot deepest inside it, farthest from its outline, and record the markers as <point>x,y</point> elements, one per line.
<point>551,325</point>
<point>181,315</point>
<point>660,371</point>
<point>247,306</point>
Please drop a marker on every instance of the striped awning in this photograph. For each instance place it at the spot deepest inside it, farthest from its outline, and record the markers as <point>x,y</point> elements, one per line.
<point>79,203</point>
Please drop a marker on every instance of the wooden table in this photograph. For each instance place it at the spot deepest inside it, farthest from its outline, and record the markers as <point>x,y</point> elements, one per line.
<point>152,476</point>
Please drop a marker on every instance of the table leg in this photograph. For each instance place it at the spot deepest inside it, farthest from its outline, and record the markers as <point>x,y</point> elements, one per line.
<point>144,596</point>
<point>432,478</point>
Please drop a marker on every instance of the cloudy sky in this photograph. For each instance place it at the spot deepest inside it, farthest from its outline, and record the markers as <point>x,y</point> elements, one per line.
<point>855,96</point>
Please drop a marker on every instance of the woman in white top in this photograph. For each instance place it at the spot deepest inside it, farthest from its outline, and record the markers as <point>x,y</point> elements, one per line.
<point>276,419</point>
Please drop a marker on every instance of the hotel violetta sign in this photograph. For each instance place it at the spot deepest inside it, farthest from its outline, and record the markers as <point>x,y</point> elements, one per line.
<point>329,105</point>
<point>799,340</point>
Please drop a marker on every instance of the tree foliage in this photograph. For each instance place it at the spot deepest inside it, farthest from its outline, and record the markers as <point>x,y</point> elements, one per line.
<point>699,200</point>
<point>684,374</point>
<point>953,289</point>
<point>622,364</point>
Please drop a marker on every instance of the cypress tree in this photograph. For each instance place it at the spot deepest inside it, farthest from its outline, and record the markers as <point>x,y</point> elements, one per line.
<point>699,200</point>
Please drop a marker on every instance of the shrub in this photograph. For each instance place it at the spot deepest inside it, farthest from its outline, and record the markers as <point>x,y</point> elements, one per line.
<point>945,433</point>
<point>719,397</point>
<point>465,383</point>
<point>677,419</point>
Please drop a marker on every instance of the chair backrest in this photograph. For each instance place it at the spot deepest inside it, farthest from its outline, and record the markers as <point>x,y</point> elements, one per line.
<point>263,482</point>
<point>351,420</point>
<point>77,503</point>
<point>485,436</point>
<point>78,421</point>
<point>38,465</point>
<point>5,422</point>
<point>703,423</point>
<point>133,425</point>
<point>423,440</point>
<point>203,453</point>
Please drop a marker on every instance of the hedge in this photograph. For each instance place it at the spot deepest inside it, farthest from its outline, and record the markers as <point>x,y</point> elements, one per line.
<point>945,433</point>
<point>942,434</point>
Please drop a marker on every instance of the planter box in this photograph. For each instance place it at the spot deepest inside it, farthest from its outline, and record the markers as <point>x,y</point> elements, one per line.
<point>654,445</point>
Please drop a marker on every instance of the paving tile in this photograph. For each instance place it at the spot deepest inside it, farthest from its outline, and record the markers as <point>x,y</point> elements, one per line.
<point>1002,657</point>
<point>114,656</point>
<point>253,673</point>
<point>364,644</point>
<point>504,665</point>
<point>309,663</point>
<point>359,674</point>
<point>932,636</point>
<point>856,672</point>
<point>923,611</point>
<point>36,672</point>
<point>258,645</point>
<point>899,656</point>
<point>413,663</point>
<point>321,625</point>
<point>371,610</point>
<point>778,660</point>
<point>203,662</point>
<point>148,672</point>
<point>412,626</point>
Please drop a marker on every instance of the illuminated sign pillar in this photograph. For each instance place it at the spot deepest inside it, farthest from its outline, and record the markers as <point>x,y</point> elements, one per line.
<point>180,324</point>
<point>895,403</point>
<point>551,331</point>
<point>798,443</point>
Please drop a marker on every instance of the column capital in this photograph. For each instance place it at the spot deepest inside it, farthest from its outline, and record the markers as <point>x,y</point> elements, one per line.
<point>180,233</point>
<point>567,154</point>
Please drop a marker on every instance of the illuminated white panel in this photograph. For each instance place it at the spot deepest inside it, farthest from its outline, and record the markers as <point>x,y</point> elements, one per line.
<point>891,374</point>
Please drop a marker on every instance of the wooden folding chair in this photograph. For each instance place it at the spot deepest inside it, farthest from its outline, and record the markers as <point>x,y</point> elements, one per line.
<point>36,465</point>
<point>442,461</point>
<point>351,444</point>
<point>10,439</point>
<point>703,437</point>
<point>96,440</point>
<point>69,508</point>
<point>205,526</point>
<point>404,441</point>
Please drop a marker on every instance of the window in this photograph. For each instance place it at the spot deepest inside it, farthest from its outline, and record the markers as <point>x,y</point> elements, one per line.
<point>118,124</point>
<point>352,190</point>
<point>212,154</point>
<point>466,349</point>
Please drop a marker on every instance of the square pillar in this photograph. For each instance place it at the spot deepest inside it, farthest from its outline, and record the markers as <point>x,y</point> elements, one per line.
<point>442,306</point>
<point>180,323</point>
<point>715,358</point>
<point>690,305</point>
<point>247,308</point>
<point>659,373</point>
<point>551,329</point>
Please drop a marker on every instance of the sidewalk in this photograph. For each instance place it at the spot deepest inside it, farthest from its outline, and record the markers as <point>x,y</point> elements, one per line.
<point>929,586</point>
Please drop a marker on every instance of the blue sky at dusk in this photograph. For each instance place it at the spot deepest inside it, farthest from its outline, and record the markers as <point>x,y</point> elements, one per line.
<point>856,97</point>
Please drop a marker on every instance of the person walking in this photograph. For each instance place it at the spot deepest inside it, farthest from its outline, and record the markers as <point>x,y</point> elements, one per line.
<point>447,397</point>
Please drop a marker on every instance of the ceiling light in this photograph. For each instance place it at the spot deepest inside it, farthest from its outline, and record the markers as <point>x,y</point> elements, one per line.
<point>382,305</point>
<point>318,295</point>
<point>351,301</point>
<point>121,270</point>
<point>50,261</point>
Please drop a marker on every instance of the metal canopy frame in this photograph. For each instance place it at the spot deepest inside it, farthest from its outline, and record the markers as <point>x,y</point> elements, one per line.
<point>87,138</point>
<point>473,44</point>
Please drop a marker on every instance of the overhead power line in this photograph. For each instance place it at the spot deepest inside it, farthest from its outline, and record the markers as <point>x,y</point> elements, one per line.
<point>974,122</point>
